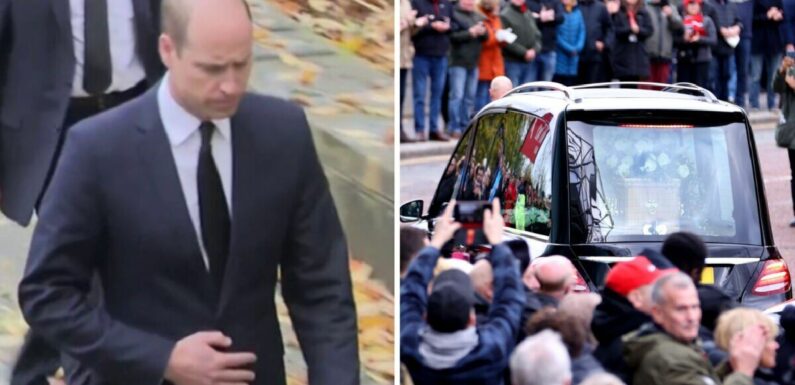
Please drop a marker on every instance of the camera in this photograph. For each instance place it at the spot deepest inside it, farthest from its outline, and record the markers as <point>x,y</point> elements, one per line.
<point>470,213</point>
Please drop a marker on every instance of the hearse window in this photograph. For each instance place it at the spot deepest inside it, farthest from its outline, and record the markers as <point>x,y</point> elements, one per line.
<point>449,185</point>
<point>526,189</point>
<point>638,181</point>
<point>482,170</point>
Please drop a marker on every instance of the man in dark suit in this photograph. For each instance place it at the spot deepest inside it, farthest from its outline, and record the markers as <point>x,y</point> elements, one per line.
<point>186,201</point>
<point>56,68</point>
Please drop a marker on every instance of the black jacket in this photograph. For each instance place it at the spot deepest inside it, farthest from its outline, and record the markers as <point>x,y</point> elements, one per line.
<point>428,41</point>
<point>724,15</point>
<point>549,29</point>
<point>629,52</point>
<point>614,317</point>
<point>768,35</point>
<point>598,27</point>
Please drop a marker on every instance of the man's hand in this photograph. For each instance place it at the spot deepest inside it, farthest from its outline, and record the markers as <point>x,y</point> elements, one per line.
<point>667,11</point>
<point>195,360</point>
<point>477,30</point>
<point>445,227</point>
<point>421,21</point>
<point>634,27</point>
<point>745,349</point>
<point>440,26</point>
<point>493,223</point>
<point>786,63</point>
<point>600,46</point>
<point>530,55</point>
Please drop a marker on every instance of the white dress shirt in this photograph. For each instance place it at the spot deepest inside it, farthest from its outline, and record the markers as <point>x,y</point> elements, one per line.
<point>127,67</point>
<point>182,130</point>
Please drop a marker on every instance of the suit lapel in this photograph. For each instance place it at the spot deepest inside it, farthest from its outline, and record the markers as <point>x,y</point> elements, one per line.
<point>244,171</point>
<point>155,153</point>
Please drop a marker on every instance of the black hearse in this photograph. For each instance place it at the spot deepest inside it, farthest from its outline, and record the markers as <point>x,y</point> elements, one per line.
<point>597,173</point>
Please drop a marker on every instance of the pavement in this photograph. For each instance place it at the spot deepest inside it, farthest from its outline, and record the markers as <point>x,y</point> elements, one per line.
<point>349,105</point>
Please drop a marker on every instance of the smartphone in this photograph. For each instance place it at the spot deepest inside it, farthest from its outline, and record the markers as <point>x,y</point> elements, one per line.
<point>470,213</point>
<point>791,54</point>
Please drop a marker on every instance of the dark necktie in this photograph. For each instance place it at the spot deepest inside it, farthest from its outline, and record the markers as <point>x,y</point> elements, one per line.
<point>212,207</point>
<point>97,66</point>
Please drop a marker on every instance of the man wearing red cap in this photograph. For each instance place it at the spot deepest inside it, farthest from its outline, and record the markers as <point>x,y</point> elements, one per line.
<point>625,306</point>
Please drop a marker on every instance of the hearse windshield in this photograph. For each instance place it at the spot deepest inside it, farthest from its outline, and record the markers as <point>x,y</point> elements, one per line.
<point>639,178</point>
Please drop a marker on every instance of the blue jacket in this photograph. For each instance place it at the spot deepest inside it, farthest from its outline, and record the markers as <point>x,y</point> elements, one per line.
<point>571,40</point>
<point>487,362</point>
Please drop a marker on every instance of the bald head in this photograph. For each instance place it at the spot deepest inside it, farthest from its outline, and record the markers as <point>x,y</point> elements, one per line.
<point>176,15</point>
<point>555,275</point>
<point>499,87</point>
<point>483,278</point>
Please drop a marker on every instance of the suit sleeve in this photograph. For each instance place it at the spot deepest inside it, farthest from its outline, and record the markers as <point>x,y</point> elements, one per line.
<point>64,256</point>
<point>316,282</point>
<point>5,42</point>
<point>505,313</point>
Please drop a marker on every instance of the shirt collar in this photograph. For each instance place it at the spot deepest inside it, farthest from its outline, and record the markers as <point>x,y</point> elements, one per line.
<point>179,123</point>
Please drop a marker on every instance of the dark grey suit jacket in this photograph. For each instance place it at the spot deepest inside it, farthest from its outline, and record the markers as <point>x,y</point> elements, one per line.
<point>37,64</point>
<point>115,206</point>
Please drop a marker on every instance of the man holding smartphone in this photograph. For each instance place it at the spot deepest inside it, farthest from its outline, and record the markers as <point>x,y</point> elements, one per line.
<point>431,45</point>
<point>440,341</point>
<point>784,84</point>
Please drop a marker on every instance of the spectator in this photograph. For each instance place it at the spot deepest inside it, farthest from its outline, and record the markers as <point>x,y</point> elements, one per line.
<point>467,35</point>
<point>408,24</point>
<point>581,306</point>
<point>554,276</point>
<point>431,45</point>
<point>541,360</point>
<point>603,378</point>
<point>598,28</point>
<point>694,46</point>
<point>412,240</point>
<point>482,277</point>
<point>499,87</point>
<point>574,335</point>
<point>571,40</point>
<point>632,26</point>
<point>785,357</point>
<point>548,15</point>
<point>784,84</point>
<point>625,306</point>
<point>729,27</point>
<point>666,24</point>
<point>668,351</point>
<point>689,253</point>
<point>766,49</point>
<point>520,55</point>
<point>742,53</point>
<point>490,64</point>
<point>732,323</point>
<point>439,340</point>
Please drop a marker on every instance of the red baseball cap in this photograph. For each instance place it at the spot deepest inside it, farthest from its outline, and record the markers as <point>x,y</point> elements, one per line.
<point>630,275</point>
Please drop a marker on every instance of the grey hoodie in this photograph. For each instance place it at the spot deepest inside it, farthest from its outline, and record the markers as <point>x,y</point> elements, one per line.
<point>443,350</point>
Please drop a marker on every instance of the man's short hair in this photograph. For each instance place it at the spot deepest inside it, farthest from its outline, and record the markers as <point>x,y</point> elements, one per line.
<point>678,280</point>
<point>175,17</point>
<point>540,359</point>
<point>686,251</point>
<point>412,240</point>
<point>450,302</point>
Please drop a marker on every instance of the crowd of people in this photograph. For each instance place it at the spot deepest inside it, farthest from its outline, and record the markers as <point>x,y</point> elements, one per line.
<point>511,319</point>
<point>454,49</point>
